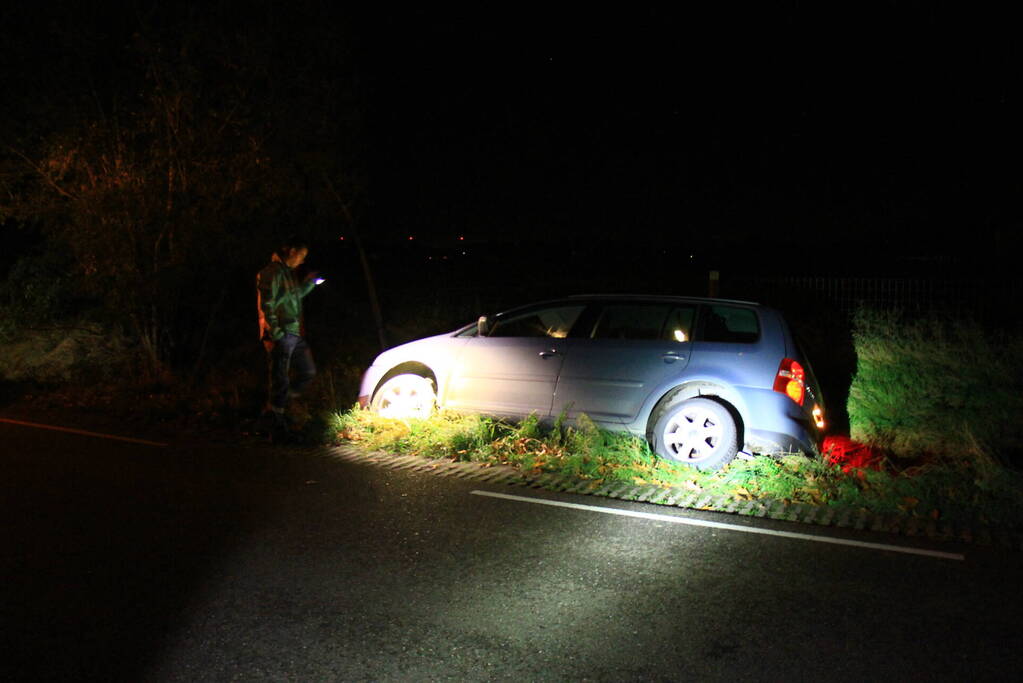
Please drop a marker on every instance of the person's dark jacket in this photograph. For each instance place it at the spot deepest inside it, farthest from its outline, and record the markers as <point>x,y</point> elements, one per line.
<point>280,300</point>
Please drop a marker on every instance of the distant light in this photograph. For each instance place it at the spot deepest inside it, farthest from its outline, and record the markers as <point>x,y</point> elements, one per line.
<point>341,238</point>
<point>410,238</point>
<point>680,336</point>
<point>461,238</point>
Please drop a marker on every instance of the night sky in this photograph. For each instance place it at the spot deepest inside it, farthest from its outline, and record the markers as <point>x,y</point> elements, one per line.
<point>896,128</point>
<point>887,128</point>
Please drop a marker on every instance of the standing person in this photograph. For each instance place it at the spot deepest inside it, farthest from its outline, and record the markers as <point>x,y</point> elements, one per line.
<point>279,297</point>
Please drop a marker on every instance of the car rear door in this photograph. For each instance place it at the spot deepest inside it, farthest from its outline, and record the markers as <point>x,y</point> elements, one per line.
<point>731,348</point>
<point>630,348</point>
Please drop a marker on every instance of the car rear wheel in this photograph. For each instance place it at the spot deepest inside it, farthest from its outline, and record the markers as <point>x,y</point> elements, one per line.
<point>405,396</point>
<point>699,432</point>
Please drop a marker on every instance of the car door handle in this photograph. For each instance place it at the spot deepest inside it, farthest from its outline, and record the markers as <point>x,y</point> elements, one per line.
<point>672,356</point>
<point>548,353</point>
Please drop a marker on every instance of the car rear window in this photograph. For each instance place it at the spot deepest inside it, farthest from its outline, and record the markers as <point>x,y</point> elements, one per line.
<point>729,324</point>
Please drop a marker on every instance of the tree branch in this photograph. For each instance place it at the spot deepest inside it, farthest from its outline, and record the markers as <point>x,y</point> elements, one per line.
<point>42,174</point>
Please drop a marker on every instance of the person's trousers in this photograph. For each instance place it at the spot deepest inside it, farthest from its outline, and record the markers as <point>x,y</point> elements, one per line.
<point>289,352</point>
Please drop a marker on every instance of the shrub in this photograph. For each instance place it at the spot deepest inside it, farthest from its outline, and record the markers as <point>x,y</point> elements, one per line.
<point>938,386</point>
<point>36,292</point>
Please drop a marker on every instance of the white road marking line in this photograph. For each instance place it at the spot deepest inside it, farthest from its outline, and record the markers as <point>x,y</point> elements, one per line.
<point>82,432</point>
<point>730,527</point>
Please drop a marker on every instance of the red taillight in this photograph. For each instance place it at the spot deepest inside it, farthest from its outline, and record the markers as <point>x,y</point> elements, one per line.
<point>791,380</point>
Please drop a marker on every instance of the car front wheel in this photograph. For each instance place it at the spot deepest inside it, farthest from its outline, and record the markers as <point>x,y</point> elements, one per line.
<point>405,396</point>
<point>699,432</point>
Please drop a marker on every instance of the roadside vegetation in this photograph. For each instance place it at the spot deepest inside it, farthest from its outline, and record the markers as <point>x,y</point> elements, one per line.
<point>583,451</point>
<point>936,388</point>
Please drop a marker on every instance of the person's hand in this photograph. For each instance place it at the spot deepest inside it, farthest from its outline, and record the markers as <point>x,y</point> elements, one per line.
<point>269,340</point>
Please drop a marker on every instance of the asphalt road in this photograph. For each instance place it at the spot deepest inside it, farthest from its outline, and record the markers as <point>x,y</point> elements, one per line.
<point>123,561</point>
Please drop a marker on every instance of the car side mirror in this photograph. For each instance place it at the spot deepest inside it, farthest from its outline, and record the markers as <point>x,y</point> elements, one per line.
<point>483,326</point>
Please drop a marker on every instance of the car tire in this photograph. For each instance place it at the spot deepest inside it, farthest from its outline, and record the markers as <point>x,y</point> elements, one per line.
<point>699,432</point>
<point>405,396</point>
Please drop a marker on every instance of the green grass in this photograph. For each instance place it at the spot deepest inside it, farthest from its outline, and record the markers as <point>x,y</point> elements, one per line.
<point>936,388</point>
<point>960,490</point>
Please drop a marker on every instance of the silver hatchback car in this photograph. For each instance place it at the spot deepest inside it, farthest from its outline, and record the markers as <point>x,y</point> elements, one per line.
<point>700,379</point>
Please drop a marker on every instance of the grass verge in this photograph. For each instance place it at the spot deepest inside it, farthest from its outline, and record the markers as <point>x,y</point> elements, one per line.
<point>936,386</point>
<point>980,491</point>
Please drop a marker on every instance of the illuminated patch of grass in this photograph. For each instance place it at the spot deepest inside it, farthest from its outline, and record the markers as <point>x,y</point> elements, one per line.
<point>446,435</point>
<point>933,387</point>
<point>582,450</point>
<point>585,452</point>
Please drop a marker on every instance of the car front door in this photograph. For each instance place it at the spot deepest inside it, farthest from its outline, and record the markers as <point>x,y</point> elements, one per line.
<point>513,370</point>
<point>631,348</point>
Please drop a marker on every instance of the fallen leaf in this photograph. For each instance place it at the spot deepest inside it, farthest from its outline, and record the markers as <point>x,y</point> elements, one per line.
<point>743,493</point>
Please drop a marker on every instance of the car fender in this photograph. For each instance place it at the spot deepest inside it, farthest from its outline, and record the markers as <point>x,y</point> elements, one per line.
<point>691,387</point>
<point>432,357</point>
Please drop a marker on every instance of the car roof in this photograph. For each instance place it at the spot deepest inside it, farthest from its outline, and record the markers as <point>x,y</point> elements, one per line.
<point>595,298</point>
<point>657,298</point>
<point>661,297</point>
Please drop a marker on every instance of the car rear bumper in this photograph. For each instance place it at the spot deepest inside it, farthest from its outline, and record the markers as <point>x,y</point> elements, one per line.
<point>761,441</point>
<point>777,424</point>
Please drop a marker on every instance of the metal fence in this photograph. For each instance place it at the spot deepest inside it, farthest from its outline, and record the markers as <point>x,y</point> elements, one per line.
<point>990,299</point>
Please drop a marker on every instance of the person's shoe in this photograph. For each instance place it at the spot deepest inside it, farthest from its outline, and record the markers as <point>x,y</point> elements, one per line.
<point>279,426</point>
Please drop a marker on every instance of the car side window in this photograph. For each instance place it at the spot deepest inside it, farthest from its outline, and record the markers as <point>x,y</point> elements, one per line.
<point>679,325</point>
<point>543,322</point>
<point>630,321</point>
<point>729,324</point>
